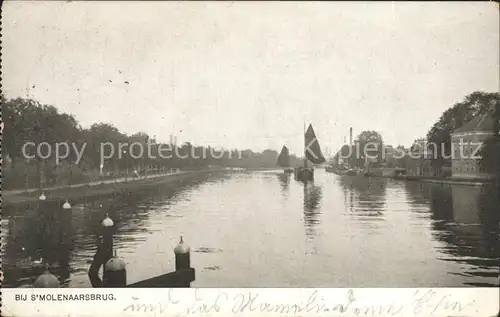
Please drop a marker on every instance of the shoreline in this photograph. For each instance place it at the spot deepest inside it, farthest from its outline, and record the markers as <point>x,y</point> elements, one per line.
<point>447,181</point>
<point>434,180</point>
<point>98,189</point>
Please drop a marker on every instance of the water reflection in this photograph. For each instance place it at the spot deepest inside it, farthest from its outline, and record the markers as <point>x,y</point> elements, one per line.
<point>284,180</point>
<point>41,236</point>
<point>365,195</point>
<point>466,221</point>
<point>312,199</point>
<point>448,236</point>
<point>45,233</point>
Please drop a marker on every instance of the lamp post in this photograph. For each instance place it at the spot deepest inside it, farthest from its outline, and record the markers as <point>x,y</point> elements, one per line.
<point>67,184</point>
<point>126,166</point>
<point>70,174</point>
<point>26,175</point>
<point>41,176</point>
<point>56,176</point>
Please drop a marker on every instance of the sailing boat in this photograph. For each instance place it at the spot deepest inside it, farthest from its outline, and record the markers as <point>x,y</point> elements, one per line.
<point>284,160</point>
<point>312,152</point>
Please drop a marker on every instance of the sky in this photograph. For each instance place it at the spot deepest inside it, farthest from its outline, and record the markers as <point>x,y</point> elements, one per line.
<point>250,75</point>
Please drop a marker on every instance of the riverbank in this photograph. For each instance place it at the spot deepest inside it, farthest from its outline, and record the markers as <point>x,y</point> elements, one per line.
<point>434,180</point>
<point>447,180</point>
<point>123,186</point>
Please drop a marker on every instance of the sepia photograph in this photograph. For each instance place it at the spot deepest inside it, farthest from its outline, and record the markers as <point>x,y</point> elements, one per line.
<point>217,144</point>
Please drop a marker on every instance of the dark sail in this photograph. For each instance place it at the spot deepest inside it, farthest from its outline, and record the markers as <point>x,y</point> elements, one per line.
<point>284,157</point>
<point>312,148</point>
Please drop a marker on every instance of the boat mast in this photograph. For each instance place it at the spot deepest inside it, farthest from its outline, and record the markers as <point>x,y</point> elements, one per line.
<point>304,133</point>
<point>349,164</point>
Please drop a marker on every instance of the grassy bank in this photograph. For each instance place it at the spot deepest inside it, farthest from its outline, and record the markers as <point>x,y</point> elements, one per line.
<point>122,187</point>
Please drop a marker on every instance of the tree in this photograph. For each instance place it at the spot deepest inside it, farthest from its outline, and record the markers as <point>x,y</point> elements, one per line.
<point>27,120</point>
<point>370,144</point>
<point>490,151</point>
<point>139,157</point>
<point>97,137</point>
<point>475,104</point>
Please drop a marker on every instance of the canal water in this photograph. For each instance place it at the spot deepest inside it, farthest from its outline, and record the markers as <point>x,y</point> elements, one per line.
<point>263,229</point>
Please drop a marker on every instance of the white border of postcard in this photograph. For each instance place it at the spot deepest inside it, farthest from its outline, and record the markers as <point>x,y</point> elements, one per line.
<point>439,302</point>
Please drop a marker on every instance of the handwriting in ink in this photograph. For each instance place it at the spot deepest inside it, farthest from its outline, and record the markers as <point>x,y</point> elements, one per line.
<point>422,303</point>
<point>249,303</point>
<point>138,306</point>
<point>199,307</point>
<point>428,301</point>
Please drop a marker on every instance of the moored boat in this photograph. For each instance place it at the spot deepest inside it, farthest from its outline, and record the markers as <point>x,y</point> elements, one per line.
<point>288,170</point>
<point>303,174</point>
<point>330,169</point>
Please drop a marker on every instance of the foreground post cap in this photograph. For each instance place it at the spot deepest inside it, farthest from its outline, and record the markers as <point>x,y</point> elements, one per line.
<point>107,222</point>
<point>46,280</point>
<point>182,248</point>
<point>115,264</point>
<point>42,196</point>
<point>66,205</point>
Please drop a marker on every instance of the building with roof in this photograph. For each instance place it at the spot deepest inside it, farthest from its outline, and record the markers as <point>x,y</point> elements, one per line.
<point>466,144</point>
<point>419,159</point>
